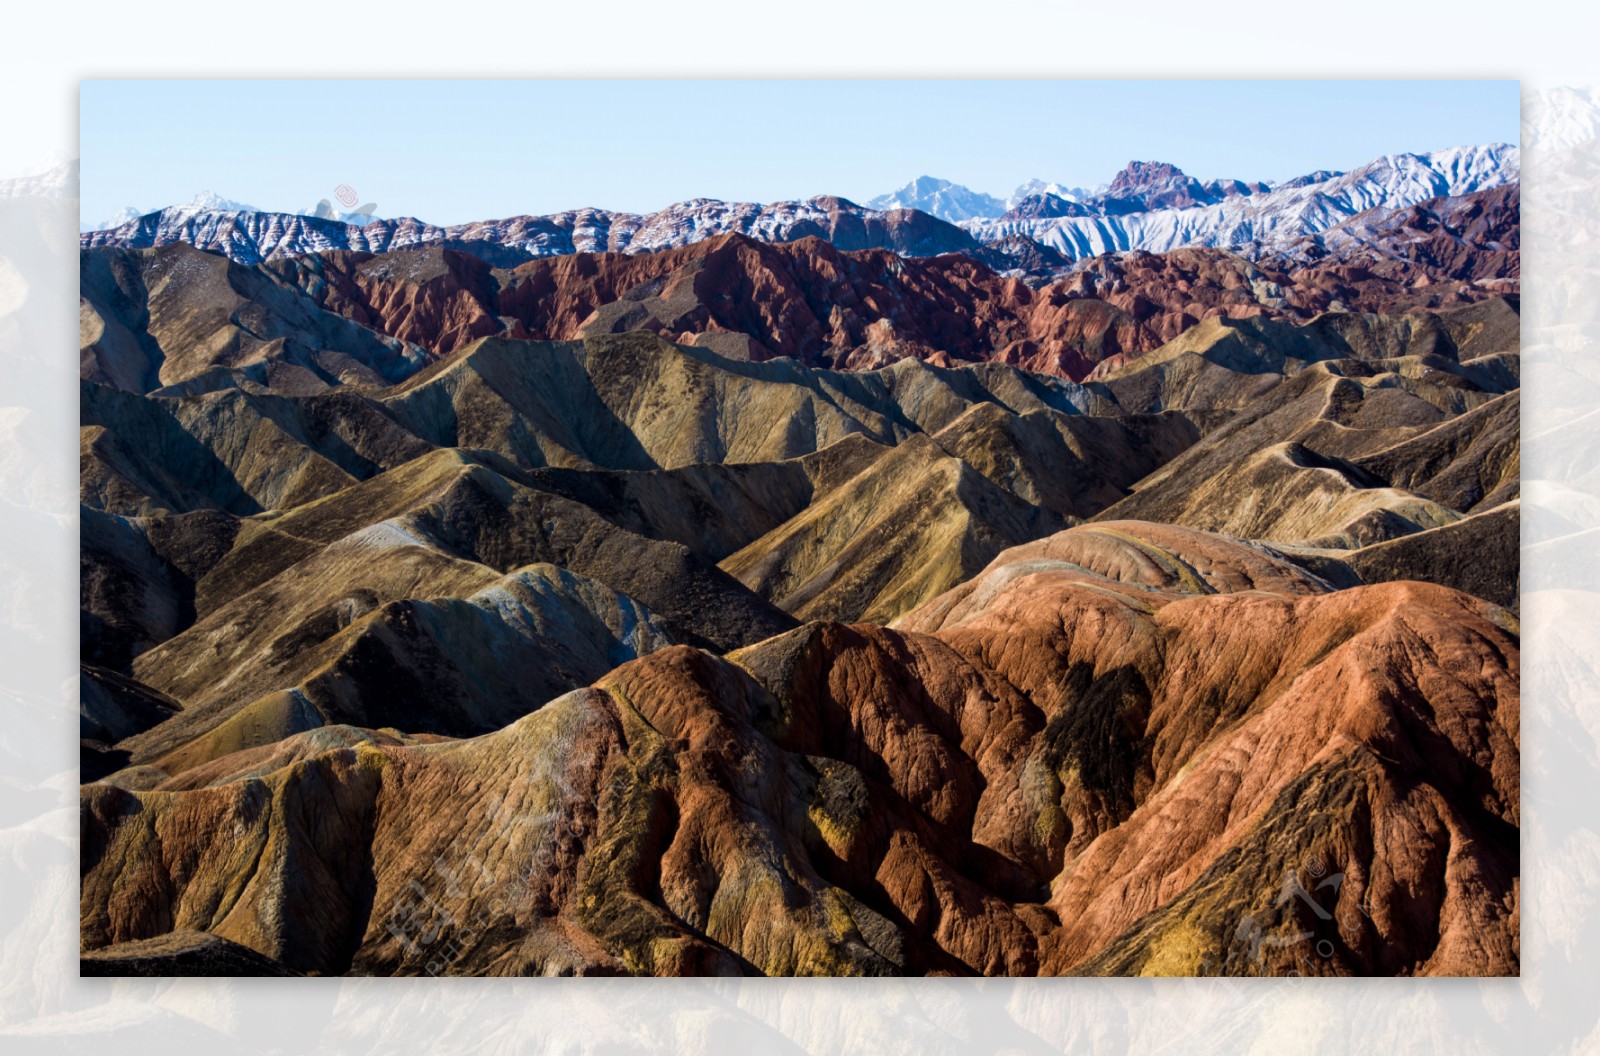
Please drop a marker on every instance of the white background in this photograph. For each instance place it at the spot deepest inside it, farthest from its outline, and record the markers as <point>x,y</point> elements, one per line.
<point>1553,1008</point>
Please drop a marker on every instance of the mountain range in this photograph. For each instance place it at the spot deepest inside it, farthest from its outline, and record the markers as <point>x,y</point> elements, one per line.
<point>352,314</point>
<point>1140,188</point>
<point>810,588</point>
<point>204,202</point>
<point>1148,206</point>
<point>1166,211</point>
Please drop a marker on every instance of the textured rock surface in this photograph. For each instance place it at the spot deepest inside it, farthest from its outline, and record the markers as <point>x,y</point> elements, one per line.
<point>179,953</point>
<point>1395,425</point>
<point>472,652</point>
<point>918,522</point>
<point>1110,752</point>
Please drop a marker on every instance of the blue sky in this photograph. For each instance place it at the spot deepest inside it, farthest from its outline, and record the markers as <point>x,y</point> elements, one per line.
<point>453,151</point>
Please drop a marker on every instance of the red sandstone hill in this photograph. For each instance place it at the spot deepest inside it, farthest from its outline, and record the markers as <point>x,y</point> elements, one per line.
<point>1124,749</point>
<point>812,302</point>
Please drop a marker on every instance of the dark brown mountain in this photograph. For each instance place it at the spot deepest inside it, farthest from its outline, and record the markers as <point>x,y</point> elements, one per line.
<point>1146,186</point>
<point>1044,207</point>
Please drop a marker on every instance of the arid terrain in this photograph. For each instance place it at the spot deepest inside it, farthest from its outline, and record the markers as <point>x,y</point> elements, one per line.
<point>793,605</point>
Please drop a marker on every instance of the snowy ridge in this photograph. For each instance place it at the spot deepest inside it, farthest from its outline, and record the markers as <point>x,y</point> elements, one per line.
<point>253,237</point>
<point>1273,219</point>
<point>204,202</point>
<point>210,200</point>
<point>1247,218</point>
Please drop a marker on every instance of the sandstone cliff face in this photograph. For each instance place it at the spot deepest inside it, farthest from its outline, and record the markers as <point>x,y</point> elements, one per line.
<point>1126,748</point>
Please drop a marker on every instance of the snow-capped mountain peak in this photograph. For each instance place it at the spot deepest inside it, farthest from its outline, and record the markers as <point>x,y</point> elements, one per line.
<point>123,216</point>
<point>940,198</point>
<point>210,201</point>
<point>1036,188</point>
<point>1457,170</point>
<point>204,202</point>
